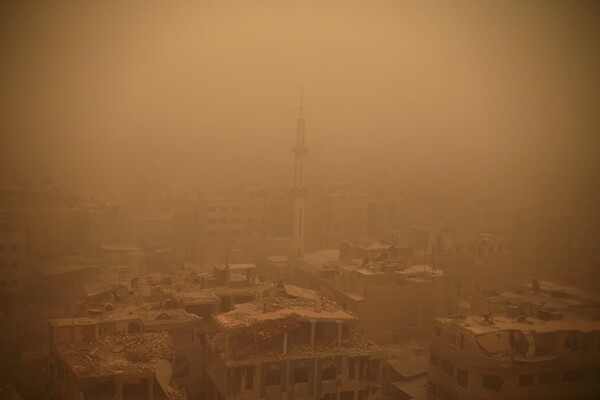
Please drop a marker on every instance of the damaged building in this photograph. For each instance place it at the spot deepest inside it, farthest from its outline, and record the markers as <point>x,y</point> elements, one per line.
<point>183,306</point>
<point>537,342</point>
<point>185,331</point>
<point>291,343</point>
<point>219,291</point>
<point>120,367</point>
<point>393,298</point>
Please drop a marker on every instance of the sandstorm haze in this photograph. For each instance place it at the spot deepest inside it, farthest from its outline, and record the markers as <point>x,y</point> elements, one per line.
<point>97,95</point>
<point>349,200</point>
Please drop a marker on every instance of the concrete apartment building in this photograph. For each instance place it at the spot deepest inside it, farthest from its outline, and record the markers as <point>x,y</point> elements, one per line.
<point>537,342</point>
<point>130,366</point>
<point>462,249</point>
<point>183,330</point>
<point>221,290</point>
<point>104,321</point>
<point>56,224</point>
<point>183,306</point>
<point>235,223</point>
<point>13,261</point>
<point>291,343</point>
<point>334,213</point>
<point>392,298</point>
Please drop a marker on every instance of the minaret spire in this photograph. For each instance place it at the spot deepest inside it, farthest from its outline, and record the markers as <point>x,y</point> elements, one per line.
<point>298,191</point>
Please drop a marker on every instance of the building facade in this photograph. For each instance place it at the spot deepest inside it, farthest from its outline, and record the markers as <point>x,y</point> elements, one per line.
<point>534,344</point>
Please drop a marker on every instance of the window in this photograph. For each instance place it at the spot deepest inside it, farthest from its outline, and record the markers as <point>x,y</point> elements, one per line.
<point>328,373</point>
<point>134,327</point>
<point>301,375</point>
<point>492,382</point>
<point>224,208</point>
<point>249,378</point>
<point>14,283</point>
<point>445,395</point>
<point>433,360</point>
<point>14,264</point>
<point>212,209</point>
<point>500,247</point>
<point>432,388</point>
<point>223,220</point>
<point>211,220</point>
<point>14,246</point>
<point>549,378</point>
<point>351,368</point>
<point>438,331</point>
<point>237,208</point>
<point>577,375</point>
<point>572,343</point>
<point>348,395</point>
<point>461,341</point>
<point>490,249</point>
<point>446,366</point>
<point>237,220</point>
<point>210,233</point>
<point>273,377</point>
<point>526,380</point>
<point>462,377</point>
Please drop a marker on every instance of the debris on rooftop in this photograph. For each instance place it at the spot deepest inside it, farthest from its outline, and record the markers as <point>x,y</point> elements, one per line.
<point>117,354</point>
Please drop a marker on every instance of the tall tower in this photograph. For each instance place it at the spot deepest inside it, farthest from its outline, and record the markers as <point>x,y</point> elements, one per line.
<point>298,190</point>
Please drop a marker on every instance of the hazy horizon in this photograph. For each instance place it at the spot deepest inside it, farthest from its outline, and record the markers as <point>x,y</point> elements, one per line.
<point>97,95</point>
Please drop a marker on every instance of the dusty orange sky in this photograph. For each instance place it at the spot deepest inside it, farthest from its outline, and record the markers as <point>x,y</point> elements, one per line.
<point>98,94</point>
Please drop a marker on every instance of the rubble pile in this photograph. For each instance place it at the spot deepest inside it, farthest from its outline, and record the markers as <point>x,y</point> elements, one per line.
<point>116,354</point>
<point>282,296</point>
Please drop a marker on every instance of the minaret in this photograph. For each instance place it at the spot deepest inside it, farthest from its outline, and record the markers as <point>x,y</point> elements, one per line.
<point>298,191</point>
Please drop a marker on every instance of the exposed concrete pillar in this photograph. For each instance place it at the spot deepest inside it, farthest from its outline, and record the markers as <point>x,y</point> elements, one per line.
<point>118,388</point>
<point>226,349</point>
<point>151,386</point>
<point>285,342</point>
<point>313,324</point>
<point>340,327</point>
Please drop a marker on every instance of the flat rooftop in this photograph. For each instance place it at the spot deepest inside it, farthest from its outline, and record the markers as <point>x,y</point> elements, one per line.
<point>318,261</point>
<point>478,325</point>
<point>236,267</point>
<point>550,296</point>
<point>283,302</point>
<point>197,297</point>
<point>117,354</point>
<point>70,267</point>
